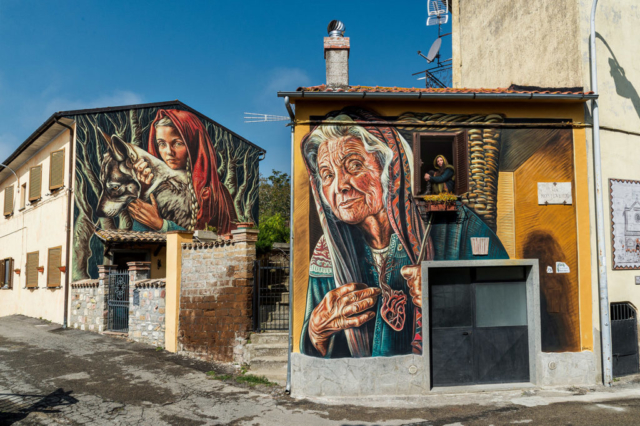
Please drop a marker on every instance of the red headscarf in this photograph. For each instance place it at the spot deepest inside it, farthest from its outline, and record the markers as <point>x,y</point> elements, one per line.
<point>216,210</point>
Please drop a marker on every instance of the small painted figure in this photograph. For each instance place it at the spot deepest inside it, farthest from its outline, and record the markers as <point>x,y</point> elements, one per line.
<point>442,180</point>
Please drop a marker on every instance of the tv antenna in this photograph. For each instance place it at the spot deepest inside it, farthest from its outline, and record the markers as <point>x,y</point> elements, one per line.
<point>254,117</point>
<point>438,14</point>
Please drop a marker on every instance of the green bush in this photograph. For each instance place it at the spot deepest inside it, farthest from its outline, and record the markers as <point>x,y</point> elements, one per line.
<point>273,229</point>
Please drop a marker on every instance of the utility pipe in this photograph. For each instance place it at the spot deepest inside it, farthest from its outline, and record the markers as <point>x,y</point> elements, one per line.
<point>431,96</point>
<point>605,325</point>
<point>69,200</point>
<point>293,126</point>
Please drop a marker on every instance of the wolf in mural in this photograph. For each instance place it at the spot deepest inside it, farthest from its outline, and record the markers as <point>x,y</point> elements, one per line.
<point>364,296</point>
<point>121,186</point>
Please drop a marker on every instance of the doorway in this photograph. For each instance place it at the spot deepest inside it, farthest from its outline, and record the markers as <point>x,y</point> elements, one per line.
<point>479,331</point>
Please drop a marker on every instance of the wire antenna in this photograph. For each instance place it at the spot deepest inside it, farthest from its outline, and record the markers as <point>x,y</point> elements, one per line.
<point>254,117</point>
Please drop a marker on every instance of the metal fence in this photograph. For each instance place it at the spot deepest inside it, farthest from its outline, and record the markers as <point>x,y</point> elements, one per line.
<point>624,339</point>
<point>118,301</point>
<point>271,295</point>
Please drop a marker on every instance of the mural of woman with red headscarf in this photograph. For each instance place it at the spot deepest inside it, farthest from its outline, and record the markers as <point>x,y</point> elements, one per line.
<point>181,140</point>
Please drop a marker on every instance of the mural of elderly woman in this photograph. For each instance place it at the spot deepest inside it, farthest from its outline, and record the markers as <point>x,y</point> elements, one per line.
<point>364,295</point>
<point>181,140</point>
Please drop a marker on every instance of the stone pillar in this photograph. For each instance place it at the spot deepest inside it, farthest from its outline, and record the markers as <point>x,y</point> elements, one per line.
<point>138,271</point>
<point>102,297</point>
<point>174,272</point>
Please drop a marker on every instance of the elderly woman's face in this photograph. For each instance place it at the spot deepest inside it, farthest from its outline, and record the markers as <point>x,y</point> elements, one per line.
<point>350,179</point>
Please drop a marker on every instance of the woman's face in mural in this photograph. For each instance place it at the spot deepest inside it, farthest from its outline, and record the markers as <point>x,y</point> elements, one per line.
<point>440,162</point>
<point>173,149</point>
<point>351,179</point>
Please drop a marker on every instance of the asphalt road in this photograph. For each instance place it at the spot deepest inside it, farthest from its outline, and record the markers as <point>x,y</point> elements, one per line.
<point>51,376</point>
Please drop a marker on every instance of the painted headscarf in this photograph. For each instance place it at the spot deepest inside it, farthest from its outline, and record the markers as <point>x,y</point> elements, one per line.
<point>445,165</point>
<point>401,210</point>
<point>216,210</point>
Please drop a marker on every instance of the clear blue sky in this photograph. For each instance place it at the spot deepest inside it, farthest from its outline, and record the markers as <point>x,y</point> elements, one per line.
<point>221,58</point>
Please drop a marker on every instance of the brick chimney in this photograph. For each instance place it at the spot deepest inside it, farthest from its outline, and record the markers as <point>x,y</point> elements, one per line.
<point>336,54</point>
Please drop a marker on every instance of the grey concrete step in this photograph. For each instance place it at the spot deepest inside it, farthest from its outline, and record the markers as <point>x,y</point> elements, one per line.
<point>268,349</point>
<point>271,363</point>
<point>276,376</point>
<point>270,337</point>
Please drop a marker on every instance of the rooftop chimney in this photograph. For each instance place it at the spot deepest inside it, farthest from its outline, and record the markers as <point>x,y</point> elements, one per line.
<point>336,54</point>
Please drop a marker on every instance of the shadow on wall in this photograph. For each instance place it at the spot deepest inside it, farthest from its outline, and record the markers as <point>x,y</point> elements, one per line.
<point>624,87</point>
<point>559,334</point>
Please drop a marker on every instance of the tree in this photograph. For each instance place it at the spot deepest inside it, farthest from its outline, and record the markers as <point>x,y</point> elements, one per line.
<point>275,192</point>
<point>273,229</point>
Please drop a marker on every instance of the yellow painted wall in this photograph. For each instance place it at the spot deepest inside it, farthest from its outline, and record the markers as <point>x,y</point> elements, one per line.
<point>36,228</point>
<point>306,110</point>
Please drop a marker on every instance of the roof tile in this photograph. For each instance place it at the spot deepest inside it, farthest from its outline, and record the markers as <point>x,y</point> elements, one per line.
<point>382,89</point>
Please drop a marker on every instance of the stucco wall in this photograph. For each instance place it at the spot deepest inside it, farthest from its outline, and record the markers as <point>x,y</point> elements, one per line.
<point>38,227</point>
<point>523,42</point>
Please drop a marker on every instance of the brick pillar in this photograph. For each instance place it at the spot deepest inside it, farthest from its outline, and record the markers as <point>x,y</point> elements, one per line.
<point>103,294</point>
<point>244,257</point>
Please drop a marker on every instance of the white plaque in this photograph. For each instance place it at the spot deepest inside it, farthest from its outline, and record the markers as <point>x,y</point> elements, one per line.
<point>554,193</point>
<point>549,269</point>
<point>562,268</point>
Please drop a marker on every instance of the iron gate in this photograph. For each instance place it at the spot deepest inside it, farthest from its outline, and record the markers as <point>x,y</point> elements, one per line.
<point>118,301</point>
<point>271,295</point>
<point>624,339</point>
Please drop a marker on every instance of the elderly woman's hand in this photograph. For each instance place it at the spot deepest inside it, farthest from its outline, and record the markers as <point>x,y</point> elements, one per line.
<point>341,308</point>
<point>413,275</point>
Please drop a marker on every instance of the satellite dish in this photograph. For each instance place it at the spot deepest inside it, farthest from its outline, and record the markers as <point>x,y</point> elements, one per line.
<point>435,48</point>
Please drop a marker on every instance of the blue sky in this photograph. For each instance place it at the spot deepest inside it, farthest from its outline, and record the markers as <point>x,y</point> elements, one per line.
<point>221,58</point>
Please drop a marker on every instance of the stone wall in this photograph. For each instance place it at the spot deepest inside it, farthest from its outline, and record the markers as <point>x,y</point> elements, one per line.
<point>147,311</point>
<point>216,297</point>
<point>88,302</point>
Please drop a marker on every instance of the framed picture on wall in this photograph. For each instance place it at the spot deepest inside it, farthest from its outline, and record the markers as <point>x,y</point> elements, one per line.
<point>625,223</point>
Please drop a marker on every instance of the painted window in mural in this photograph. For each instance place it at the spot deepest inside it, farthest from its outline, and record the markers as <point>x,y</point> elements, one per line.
<point>364,295</point>
<point>156,169</point>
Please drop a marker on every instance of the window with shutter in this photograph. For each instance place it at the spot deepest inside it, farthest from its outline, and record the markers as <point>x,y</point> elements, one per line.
<point>56,170</point>
<point>53,273</point>
<point>8,200</point>
<point>35,183</point>
<point>9,272</point>
<point>3,277</point>
<point>32,269</point>
<point>461,162</point>
<point>23,196</point>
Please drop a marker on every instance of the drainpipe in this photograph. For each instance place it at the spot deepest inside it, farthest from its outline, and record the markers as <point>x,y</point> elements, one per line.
<point>293,126</point>
<point>605,326</point>
<point>69,200</point>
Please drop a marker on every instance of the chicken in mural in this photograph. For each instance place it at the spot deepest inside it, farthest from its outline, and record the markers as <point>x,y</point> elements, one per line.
<point>364,295</point>
<point>156,169</point>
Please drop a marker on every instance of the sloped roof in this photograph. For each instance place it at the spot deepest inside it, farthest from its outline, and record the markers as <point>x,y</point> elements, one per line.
<point>124,236</point>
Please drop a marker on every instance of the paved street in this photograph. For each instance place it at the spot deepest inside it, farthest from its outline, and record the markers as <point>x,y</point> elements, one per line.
<point>50,376</point>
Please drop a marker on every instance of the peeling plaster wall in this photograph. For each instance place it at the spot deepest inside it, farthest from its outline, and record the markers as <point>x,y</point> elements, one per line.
<point>504,42</point>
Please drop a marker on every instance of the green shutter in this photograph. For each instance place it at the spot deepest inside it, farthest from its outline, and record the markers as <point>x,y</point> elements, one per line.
<point>32,269</point>
<point>56,172</point>
<point>35,183</point>
<point>53,273</point>
<point>8,200</point>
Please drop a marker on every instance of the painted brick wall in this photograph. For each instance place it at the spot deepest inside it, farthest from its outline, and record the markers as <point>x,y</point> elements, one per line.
<point>216,298</point>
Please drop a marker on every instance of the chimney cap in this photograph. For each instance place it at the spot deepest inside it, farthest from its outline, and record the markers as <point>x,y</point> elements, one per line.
<point>336,28</point>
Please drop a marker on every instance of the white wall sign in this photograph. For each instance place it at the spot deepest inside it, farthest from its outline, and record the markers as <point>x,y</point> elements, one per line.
<point>554,193</point>
<point>562,268</point>
<point>637,280</point>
